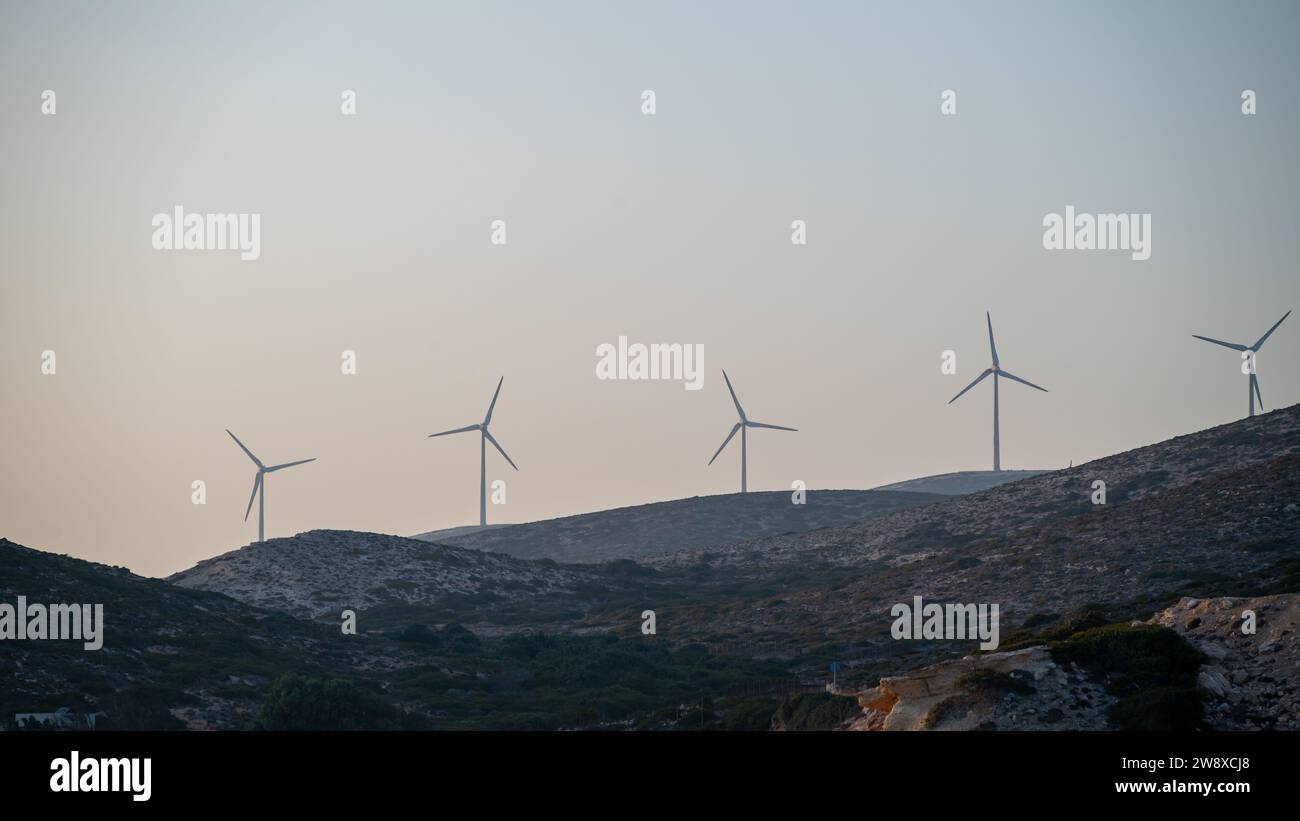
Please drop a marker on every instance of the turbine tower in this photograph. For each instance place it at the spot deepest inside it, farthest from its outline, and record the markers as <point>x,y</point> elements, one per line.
<point>484,438</point>
<point>743,426</point>
<point>259,485</point>
<point>1252,390</point>
<point>997,371</point>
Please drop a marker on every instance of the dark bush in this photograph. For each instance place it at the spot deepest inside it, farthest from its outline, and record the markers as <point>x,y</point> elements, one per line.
<point>298,703</point>
<point>419,634</point>
<point>816,711</point>
<point>1150,669</point>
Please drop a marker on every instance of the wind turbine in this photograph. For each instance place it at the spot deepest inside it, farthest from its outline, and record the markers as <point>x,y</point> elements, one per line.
<point>1252,390</point>
<point>260,485</point>
<point>997,371</point>
<point>743,426</point>
<point>484,438</point>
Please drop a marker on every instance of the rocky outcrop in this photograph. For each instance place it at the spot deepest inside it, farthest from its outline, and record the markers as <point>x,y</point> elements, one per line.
<point>1018,690</point>
<point>1250,680</point>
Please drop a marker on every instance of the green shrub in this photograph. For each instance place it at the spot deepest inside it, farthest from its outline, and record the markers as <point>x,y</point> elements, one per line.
<point>419,634</point>
<point>1150,669</point>
<point>460,639</point>
<point>143,708</point>
<point>977,689</point>
<point>749,714</point>
<point>298,703</point>
<point>816,711</point>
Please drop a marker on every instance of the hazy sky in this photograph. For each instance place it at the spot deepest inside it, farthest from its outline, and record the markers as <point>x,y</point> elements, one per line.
<point>667,228</point>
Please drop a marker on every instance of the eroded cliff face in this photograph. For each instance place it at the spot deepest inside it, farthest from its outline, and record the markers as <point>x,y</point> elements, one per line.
<point>1018,690</point>
<point>1247,680</point>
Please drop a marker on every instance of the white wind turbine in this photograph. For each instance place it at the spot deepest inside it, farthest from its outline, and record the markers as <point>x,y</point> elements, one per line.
<point>997,371</point>
<point>259,486</point>
<point>743,426</point>
<point>1252,389</point>
<point>484,438</point>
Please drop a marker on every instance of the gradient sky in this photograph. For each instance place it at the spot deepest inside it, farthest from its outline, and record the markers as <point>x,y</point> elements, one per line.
<point>671,228</point>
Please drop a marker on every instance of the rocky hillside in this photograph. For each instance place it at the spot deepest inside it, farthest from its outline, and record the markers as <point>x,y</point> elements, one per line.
<point>171,657</point>
<point>322,572</point>
<point>1211,514</point>
<point>177,658</point>
<point>1064,494</point>
<point>683,524</point>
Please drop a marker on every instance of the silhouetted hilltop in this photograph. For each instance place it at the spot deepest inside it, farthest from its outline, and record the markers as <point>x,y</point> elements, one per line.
<point>170,655</point>
<point>961,482</point>
<point>320,573</point>
<point>681,524</point>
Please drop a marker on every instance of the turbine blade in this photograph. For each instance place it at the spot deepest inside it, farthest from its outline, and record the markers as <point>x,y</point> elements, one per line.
<point>274,468</point>
<point>1254,380</point>
<point>256,461</point>
<point>257,484</point>
<point>739,409</point>
<point>993,348</point>
<point>1260,343</point>
<point>734,428</point>
<point>457,430</point>
<point>1012,376</point>
<point>978,379</point>
<point>488,418</point>
<point>1232,345</point>
<point>497,445</point>
<point>765,425</point>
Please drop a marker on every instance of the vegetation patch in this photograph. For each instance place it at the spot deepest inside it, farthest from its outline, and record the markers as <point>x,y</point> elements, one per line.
<point>977,690</point>
<point>299,703</point>
<point>816,711</point>
<point>1150,669</point>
